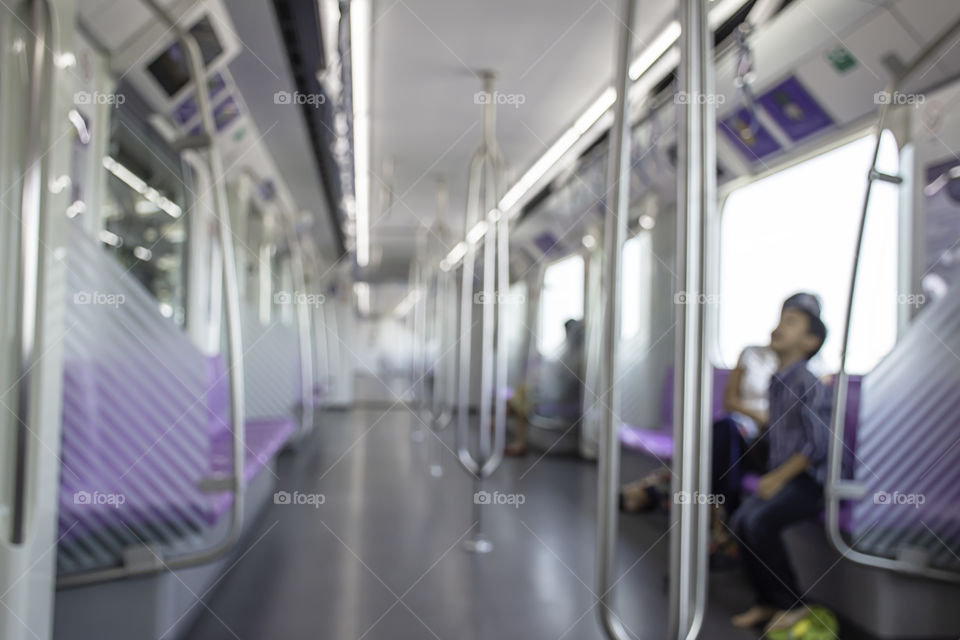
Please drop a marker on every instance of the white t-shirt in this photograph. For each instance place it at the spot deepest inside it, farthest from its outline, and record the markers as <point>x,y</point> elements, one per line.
<point>758,364</point>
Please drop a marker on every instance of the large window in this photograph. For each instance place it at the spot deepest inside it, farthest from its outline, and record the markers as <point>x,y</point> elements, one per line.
<point>635,287</point>
<point>560,300</point>
<point>145,211</point>
<point>797,230</point>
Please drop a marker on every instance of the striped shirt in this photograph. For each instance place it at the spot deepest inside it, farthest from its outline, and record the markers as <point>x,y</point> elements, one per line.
<point>799,419</point>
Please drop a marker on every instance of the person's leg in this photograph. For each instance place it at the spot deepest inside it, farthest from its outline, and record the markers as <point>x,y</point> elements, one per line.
<point>643,494</point>
<point>759,526</point>
<point>517,407</point>
<point>726,476</point>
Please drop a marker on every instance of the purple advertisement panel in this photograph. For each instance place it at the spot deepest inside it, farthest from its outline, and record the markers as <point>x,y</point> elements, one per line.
<point>188,108</point>
<point>225,113</point>
<point>748,135</point>
<point>546,242</point>
<point>794,109</point>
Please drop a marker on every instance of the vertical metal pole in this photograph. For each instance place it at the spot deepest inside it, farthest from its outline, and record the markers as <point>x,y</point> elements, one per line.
<point>303,307</point>
<point>28,276</point>
<point>696,188</point>
<point>615,231</point>
<point>482,199</point>
<point>443,374</point>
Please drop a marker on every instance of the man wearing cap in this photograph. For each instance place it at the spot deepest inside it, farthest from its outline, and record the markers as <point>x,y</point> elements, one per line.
<point>792,489</point>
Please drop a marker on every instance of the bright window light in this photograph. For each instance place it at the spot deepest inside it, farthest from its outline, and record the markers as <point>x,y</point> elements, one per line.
<point>796,230</point>
<point>635,285</point>
<point>561,299</point>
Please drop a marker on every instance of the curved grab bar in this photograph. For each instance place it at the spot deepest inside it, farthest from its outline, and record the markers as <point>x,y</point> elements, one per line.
<point>835,490</point>
<point>28,280</point>
<point>304,332</point>
<point>466,326</point>
<point>231,295</point>
<point>615,231</point>
<point>482,193</point>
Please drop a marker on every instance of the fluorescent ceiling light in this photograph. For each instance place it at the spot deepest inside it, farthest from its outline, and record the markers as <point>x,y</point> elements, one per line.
<point>136,183</point>
<point>407,303</point>
<point>477,232</point>
<point>657,48</point>
<point>362,291</point>
<point>360,26</point>
<point>459,250</point>
<point>663,42</point>
<point>110,238</point>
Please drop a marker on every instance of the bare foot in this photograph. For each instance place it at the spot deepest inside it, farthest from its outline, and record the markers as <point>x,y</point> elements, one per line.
<point>515,449</point>
<point>785,619</point>
<point>752,617</point>
<point>635,497</point>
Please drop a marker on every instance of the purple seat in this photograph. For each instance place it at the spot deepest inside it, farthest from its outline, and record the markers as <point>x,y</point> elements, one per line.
<point>264,438</point>
<point>658,441</point>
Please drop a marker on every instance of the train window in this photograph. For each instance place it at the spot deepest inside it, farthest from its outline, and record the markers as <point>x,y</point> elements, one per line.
<point>796,230</point>
<point>145,211</point>
<point>635,285</point>
<point>561,299</point>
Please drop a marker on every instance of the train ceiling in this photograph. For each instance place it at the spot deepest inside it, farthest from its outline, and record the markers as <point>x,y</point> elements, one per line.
<point>551,63</point>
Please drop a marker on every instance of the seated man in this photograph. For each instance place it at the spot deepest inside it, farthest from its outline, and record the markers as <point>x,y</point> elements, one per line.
<point>792,489</point>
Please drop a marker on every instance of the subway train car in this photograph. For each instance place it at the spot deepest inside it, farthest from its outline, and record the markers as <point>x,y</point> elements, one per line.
<point>461,319</point>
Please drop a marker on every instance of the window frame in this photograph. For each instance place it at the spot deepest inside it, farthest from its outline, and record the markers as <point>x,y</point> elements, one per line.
<point>805,153</point>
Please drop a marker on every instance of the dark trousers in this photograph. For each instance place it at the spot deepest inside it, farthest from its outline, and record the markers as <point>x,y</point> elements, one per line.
<point>732,457</point>
<point>759,525</point>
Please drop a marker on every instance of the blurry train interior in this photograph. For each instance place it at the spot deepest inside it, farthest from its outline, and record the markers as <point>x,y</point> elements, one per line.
<point>439,319</point>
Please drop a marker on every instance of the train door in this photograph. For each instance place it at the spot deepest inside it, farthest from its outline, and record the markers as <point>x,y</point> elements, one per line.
<point>34,183</point>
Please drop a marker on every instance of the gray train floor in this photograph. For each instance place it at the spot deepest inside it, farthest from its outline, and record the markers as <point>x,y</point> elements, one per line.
<point>381,557</point>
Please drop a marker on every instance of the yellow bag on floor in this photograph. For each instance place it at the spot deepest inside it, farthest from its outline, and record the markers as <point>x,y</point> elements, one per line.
<point>818,624</point>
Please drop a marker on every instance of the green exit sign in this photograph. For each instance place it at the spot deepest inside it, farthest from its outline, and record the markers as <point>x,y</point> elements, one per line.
<point>841,59</point>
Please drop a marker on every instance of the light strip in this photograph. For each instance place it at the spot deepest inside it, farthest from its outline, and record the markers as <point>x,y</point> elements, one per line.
<point>362,291</point>
<point>641,64</point>
<point>407,303</point>
<point>360,27</point>
<point>477,232</point>
<point>136,183</point>
<point>657,48</point>
<point>459,250</point>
